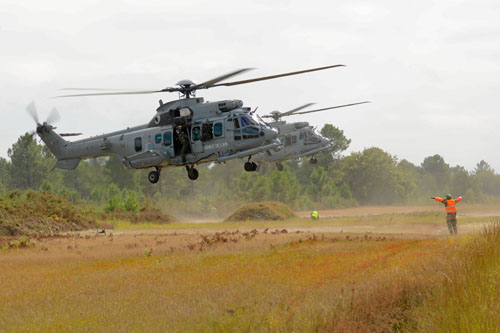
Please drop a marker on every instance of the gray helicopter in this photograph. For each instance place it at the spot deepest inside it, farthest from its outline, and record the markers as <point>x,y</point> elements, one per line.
<point>183,132</point>
<point>298,139</point>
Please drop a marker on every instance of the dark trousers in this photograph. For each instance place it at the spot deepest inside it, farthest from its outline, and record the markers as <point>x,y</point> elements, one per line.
<point>451,221</point>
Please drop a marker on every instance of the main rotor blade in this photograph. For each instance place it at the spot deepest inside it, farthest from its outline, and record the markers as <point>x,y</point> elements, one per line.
<point>70,134</point>
<point>273,76</point>
<point>97,89</point>
<point>333,107</point>
<point>53,117</point>
<point>210,83</point>
<point>296,109</point>
<point>139,92</point>
<point>31,108</point>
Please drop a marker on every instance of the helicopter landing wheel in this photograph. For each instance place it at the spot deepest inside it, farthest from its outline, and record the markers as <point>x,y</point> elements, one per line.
<point>153,177</point>
<point>193,173</point>
<point>280,166</point>
<point>313,160</point>
<point>254,166</point>
<point>249,166</point>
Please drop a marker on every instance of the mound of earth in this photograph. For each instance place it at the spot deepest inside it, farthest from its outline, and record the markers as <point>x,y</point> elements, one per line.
<point>41,212</point>
<point>262,211</point>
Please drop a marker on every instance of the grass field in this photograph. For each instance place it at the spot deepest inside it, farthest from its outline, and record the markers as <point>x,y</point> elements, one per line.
<point>229,277</point>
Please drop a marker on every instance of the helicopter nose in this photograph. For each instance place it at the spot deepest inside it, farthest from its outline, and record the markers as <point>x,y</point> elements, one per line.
<point>269,133</point>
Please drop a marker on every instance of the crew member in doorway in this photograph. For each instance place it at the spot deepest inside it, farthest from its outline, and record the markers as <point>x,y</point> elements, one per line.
<point>183,139</point>
<point>451,211</point>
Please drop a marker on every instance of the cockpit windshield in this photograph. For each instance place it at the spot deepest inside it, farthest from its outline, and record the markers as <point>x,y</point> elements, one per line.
<point>245,121</point>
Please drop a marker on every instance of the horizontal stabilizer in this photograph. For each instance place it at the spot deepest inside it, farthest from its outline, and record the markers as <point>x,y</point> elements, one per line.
<point>67,164</point>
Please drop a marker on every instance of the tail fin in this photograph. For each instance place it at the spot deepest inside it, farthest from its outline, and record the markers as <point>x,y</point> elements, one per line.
<point>58,146</point>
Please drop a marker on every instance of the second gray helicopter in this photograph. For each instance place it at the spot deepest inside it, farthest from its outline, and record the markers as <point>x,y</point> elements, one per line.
<point>298,139</point>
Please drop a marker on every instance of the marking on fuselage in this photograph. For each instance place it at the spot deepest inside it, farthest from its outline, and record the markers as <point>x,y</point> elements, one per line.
<point>215,145</point>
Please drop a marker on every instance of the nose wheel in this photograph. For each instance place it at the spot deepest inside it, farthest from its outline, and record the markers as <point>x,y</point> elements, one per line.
<point>154,176</point>
<point>279,166</point>
<point>313,160</point>
<point>192,172</point>
<point>250,166</point>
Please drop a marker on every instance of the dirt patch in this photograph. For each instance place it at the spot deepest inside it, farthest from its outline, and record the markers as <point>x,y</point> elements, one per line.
<point>262,211</point>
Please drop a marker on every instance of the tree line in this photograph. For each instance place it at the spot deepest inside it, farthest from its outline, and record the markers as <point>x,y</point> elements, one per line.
<point>368,177</point>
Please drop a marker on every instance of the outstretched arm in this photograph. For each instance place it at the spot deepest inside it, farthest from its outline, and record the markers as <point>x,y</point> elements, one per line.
<point>458,199</point>
<point>438,199</point>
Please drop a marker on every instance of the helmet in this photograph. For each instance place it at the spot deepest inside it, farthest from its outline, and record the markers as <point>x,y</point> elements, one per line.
<point>448,196</point>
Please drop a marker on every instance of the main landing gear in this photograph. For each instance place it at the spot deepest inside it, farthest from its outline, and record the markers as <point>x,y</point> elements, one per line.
<point>313,160</point>
<point>192,172</point>
<point>154,176</point>
<point>279,166</point>
<point>250,166</point>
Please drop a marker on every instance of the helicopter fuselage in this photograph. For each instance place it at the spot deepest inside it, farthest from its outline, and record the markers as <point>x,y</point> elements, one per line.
<point>183,132</point>
<point>298,140</point>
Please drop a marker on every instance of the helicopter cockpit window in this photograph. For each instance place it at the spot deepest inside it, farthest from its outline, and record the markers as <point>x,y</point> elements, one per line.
<point>138,144</point>
<point>250,132</point>
<point>245,121</point>
<point>167,138</point>
<point>294,139</point>
<point>236,123</point>
<point>196,133</point>
<point>288,140</point>
<point>218,129</point>
<point>158,138</point>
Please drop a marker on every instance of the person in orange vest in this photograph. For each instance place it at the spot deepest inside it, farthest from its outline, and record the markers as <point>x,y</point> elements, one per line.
<point>451,211</point>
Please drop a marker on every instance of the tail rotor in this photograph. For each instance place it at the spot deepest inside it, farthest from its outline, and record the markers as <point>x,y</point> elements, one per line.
<point>52,118</point>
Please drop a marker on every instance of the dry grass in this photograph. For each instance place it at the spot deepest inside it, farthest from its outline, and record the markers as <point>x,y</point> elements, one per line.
<point>468,299</point>
<point>250,281</point>
<point>285,276</point>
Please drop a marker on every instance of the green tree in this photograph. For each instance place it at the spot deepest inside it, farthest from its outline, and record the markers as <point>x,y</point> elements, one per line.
<point>28,167</point>
<point>118,174</point>
<point>486,180</point>
<point>46,185</point>
<point>483,166</point>
<point>283,186</point>
<point>318,184</point>
<point>373,177</point>
<point>4,170</point>
<point>131,203</point>
<point>88,176</point>
<point>339,142</point>
<point>436,175</point>
<point>460,181</point>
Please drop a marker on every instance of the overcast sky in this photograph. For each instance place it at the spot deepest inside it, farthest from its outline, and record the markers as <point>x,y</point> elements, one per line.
<point>430,68</point>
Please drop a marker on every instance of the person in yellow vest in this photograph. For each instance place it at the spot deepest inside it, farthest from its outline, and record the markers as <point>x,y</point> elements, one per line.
<point>315,215</point>
<point>450,205</point>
